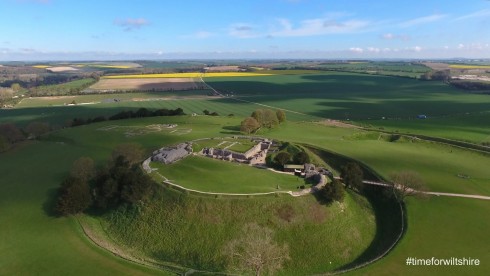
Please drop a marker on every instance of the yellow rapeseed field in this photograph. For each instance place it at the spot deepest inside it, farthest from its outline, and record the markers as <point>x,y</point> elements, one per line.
<point>468,66</point>
<point>41,66</point>
<point>188,75</point>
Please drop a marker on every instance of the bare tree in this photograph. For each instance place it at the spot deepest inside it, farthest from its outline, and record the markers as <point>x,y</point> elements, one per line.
<point>255,253</point>
<point>407,183</point>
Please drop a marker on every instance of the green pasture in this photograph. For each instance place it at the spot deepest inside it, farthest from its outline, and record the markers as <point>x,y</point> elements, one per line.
<point>440,227</point>
<point>32,240</point>
<point>61,115</point>
<point>108,97</point>
<point>353,96</point>
<point>471,127</point>
<point>63,88</point>
<point>413,70</point>
<point>211,175</point>
<point>356,97</point>
<point>193,231</point>
<point>35,242</point>
<point>439,165</point>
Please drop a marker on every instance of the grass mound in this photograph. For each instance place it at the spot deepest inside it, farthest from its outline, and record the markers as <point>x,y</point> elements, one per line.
<point>192,231</point>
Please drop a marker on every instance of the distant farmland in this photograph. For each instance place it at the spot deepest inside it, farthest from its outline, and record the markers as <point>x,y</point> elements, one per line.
<point>146,84</point>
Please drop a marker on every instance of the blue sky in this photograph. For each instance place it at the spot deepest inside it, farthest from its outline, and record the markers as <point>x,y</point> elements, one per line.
<point>144,29</point>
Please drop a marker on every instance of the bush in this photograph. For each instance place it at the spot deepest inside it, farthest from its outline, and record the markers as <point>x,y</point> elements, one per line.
<point>332,192</point>
<point>74,197</point>
<point>352,175</point>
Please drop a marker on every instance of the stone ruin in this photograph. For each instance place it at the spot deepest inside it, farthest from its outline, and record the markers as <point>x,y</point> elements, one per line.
<point>255,155</point>
<point>168,155</point>
<point>316,175</point>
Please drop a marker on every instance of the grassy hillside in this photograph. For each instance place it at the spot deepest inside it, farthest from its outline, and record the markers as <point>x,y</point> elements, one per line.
<point>36,242</point>
<point>193,231</point>
<point>440,227</point>
<point>32,240</point>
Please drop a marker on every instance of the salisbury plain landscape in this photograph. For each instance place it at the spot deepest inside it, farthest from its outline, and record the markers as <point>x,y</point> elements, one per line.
<point>281,137</point>
<point>75,189</point>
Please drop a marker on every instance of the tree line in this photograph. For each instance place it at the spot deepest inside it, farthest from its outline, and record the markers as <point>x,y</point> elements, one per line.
<point>140,113</point>
<point>262,118</point>
<point>11,134</point>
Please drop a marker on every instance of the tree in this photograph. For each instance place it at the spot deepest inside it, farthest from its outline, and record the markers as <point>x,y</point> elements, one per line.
<point>301,158</point>
<point>258,115</point>
<point>5,94</point>
<point>270,119</point>
<point>74,197</point>
<point>206,112</point>
<point>15,87</point>
<point>332,192</point>
<point>282,157</point>
<point>83,168</point>
<point>281,115</point>
<point>352,176</point>
<point>249,125</point>
<point>255,252</point>
<point>136,185</point>
<point>406,183</point>
<point>36,129</point>
<point>11,132</point>
<point>131,152</point>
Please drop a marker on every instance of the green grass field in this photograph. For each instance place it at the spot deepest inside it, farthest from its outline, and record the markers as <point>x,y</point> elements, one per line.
<point>35,242</point>
<point>211,175</point>
<point>467,127</point>
<point>72,87</point>
<point>440,227</point>
<point>338,95</point>
<point>32,241</point>
<point>192,231</point>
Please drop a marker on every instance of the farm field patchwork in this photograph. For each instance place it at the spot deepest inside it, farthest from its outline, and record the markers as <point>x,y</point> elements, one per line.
<point>145,84</point>
<point>189,75</point>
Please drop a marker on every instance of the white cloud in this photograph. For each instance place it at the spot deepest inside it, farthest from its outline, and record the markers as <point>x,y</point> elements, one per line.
<point>319,26</point>
<point>422,20</point>
<point>460,46</point>
<point>482,13</point>
<point>130,24</point>
<point>356,50</point>
<point>417,48</point>
<point>373,49</point>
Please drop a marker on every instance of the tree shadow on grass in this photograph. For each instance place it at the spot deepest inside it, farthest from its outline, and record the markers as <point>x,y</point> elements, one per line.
<point>232,130</point>
<point>49,206</point>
